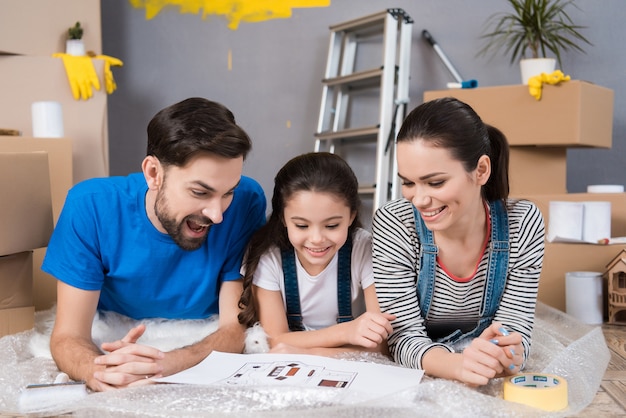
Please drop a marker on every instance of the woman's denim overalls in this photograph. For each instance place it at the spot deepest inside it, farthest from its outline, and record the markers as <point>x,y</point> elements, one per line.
<point>494,285</point>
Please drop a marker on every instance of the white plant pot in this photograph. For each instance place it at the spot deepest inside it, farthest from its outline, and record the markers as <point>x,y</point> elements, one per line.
<point>75,47</point>
<point>531,67</point>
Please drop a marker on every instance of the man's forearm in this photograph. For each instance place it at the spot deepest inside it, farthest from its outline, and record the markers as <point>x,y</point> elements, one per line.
<point>75,357</point>
<point>228,338</point>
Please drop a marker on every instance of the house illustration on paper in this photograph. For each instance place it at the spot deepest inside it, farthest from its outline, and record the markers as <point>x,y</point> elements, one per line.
<point>290,373</point>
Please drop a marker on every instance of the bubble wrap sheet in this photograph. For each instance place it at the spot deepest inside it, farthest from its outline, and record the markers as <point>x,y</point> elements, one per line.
<point>560,345</point>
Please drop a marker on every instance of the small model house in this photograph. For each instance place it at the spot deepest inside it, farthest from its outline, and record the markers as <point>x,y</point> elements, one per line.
<point>616,277</point>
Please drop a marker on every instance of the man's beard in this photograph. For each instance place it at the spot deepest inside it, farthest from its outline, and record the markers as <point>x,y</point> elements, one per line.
<point>175,229</point>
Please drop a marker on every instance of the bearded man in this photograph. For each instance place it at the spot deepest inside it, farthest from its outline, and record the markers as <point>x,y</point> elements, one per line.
<point>164,243</point>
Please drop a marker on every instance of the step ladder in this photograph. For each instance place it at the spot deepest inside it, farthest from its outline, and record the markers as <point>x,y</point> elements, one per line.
<point>366,83</point>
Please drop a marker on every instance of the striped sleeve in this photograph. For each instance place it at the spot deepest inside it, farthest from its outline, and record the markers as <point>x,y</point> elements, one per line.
<point>517,307</point>
<point>396,265</point>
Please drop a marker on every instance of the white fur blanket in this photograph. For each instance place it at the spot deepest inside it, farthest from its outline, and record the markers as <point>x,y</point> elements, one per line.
<point>165,335</point>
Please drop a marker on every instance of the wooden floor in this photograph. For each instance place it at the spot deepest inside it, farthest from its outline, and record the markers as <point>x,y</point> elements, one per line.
<point>610,401</point>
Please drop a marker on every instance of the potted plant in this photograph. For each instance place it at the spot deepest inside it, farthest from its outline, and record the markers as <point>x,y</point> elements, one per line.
<point>531,31</point>
<point>74,44</point>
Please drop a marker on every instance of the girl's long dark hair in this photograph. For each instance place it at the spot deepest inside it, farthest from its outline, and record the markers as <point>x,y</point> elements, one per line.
<point>315,172</point>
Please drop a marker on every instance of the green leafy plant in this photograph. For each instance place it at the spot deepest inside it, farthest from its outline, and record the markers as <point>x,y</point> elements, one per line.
<point>535,26</point>
<point>75,32</point>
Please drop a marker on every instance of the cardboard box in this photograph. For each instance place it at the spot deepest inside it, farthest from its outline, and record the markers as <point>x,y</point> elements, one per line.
<point>39,27</point>
<point>572,114</point>
<point>26,210</point>
<point>560,258</point>
<point>535,170</point>
<point>16,320</point>
<point>27,79</point>
<point>44,284</point>
<point>563,257</point>
<point>60,162</point>
<point>16,280</point>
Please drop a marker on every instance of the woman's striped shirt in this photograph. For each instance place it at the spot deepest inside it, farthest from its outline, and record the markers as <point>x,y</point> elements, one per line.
<point>396,252</point>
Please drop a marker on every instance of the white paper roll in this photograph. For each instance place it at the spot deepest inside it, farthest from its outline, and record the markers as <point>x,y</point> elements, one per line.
<point>579,221</point>
<point>565,220</point>
<point>596,221</point>
<point>47,119</point>
<point>605,188</point>
<point>583,296</point>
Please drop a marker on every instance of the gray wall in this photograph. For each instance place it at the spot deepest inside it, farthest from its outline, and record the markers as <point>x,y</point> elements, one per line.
<point>274,85</point>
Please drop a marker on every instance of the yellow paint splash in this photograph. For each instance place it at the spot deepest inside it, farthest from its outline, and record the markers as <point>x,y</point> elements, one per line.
<point>235,11</point>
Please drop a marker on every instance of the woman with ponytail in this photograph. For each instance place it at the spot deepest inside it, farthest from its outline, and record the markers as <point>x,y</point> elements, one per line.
<point>456,260</point>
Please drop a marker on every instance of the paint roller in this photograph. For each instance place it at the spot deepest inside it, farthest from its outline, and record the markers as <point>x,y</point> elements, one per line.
<point>460,83</point>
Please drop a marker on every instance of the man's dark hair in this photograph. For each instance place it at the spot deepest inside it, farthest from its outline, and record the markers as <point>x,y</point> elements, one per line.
<point>180,131</point>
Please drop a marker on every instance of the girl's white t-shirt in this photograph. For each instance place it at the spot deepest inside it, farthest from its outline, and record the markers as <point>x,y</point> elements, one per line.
<point>318,294</point>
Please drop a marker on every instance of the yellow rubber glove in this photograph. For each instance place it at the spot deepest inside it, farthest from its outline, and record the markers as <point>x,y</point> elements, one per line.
<point>535,84</point>
<point>81,75</point>
<point>109,81</point>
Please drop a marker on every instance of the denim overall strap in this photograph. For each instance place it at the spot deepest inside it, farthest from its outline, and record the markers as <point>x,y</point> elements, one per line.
<point>292,295</point>
<point>344,282</point>
<point>344,286</point>
<point>428,264</point>
<point>498,259</point>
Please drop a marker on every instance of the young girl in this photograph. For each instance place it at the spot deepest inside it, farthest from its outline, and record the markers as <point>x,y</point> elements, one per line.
<point>308,272</point>
<point>456,260</point>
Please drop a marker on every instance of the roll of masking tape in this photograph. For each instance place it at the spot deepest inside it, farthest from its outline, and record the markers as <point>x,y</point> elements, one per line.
<point>543,391</point>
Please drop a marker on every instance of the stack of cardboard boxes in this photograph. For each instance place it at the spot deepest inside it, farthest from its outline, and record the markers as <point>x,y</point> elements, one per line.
<point>31,31</point>
<point>26,224</point>
<point>59,151</point>
<point>572,114</point>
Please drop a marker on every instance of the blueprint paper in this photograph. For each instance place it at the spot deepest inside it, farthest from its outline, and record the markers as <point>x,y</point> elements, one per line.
<point>298,370</point>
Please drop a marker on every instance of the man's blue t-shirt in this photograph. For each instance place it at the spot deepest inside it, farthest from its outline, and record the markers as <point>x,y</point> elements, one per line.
<point>104,241</point>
